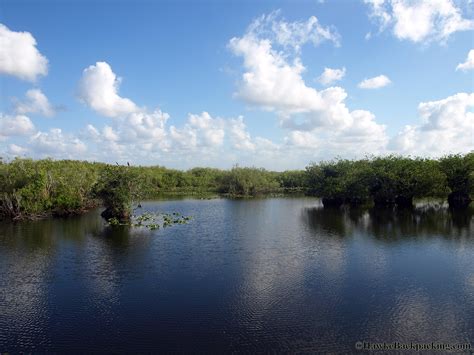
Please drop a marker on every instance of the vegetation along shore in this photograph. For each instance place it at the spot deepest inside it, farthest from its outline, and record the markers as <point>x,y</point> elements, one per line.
<point>41,188</point>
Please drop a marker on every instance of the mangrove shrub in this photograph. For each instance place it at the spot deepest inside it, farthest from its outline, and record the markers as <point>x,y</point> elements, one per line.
<point>116,188</point>
<point>459,171</point>
<point>248,182</point>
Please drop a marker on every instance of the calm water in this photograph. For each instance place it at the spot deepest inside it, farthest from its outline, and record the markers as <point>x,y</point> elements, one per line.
<point>247,275</point>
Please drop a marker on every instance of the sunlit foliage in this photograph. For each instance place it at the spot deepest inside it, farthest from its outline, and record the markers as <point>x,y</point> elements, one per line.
<point>392,180</point>
<point>38,188</point>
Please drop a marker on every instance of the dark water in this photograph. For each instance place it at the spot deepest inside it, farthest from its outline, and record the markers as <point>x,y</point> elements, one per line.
<point>247,275</point>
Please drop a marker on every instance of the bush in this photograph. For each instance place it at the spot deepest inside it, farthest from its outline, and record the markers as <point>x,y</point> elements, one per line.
<point>339,181</point>
<point>326,180</point>
<point>293,179</point>
<point>116,188</point>
<point>398,180</point>
<point>248,182</point>
<point>385,180</point>
<point>459,172</point>
<point>30,189</point>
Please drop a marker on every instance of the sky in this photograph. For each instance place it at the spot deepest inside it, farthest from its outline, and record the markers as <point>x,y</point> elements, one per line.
<point>273,84</point>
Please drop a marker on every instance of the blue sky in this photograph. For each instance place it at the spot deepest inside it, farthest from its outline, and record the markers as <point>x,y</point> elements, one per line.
<point>215,83</point>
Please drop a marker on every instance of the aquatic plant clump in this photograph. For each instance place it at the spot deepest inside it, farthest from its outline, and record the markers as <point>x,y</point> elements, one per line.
<point>151,221</point>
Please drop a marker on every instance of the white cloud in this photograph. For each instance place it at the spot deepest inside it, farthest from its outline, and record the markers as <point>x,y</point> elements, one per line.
<point>16,125</point>
<point>304,139</point>
<point>292,34</point>
<point>201,137</point>
<point>375,82</point>
<point>379,13</point>
<point>137,131</point>
<point>98,88</point>
<point>19,56</point>
<point>92,133</point>
<point>134,127</point>
<point>16,150</point>
<point>239,136</point>
<point>144,125</point>
<point>330,76</point>
<point>272,81</point>
<point>135,134</point>
<point>36,102</point>
<point>364,135</point>
<point>447,126</point>
<point>419,20</point>
<point>199,131</point>
<point>55,143</point>
<point>469,63</point>
<point>109,134</point>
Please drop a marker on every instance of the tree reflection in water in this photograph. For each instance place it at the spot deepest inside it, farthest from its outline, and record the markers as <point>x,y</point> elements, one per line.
<point>391,224</point>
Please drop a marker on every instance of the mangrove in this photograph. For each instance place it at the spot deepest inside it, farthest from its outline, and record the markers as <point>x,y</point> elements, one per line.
<point>39,188</point>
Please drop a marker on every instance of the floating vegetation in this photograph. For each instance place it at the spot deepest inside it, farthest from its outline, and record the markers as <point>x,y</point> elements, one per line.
<point>151,221</point>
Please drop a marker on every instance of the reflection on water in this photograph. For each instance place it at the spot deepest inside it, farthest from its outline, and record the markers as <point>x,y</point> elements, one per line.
<point>280,274</point>
<point>391,224</point>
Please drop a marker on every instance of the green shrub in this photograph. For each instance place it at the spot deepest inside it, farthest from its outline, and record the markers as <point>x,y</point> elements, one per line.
<point>248,182</point>
<point>459,172</point>
<point>116,188</point>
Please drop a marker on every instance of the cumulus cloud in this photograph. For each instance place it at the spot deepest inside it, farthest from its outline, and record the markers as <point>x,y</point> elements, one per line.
<point>363,135</point>
<point>199,131</point>
<point>447,126</point>
<point>15,125</point>
<point>134,127</point>
<point>419,20</point>
<point>269,81</point>
<point>98,88</point>
<point>304,139</point>
<point>272,81</point>
<point>330,76</point>
<point>35,102</point>
<point>19,56</point>
<point>375,82</point>
<point>109,134</point>
<point>239,135</point>
<point>136,131</point>
<point>57,144</point>
<point>143,126</point>
<point>16,150</point>
<point>202,138</point>
<point>468,64</point>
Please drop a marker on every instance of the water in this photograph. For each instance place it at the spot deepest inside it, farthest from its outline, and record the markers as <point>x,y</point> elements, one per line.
<point>277,274</point>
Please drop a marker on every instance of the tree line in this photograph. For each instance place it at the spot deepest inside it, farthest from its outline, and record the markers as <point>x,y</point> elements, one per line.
<point>393,180</point>
<point>37,188</point>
